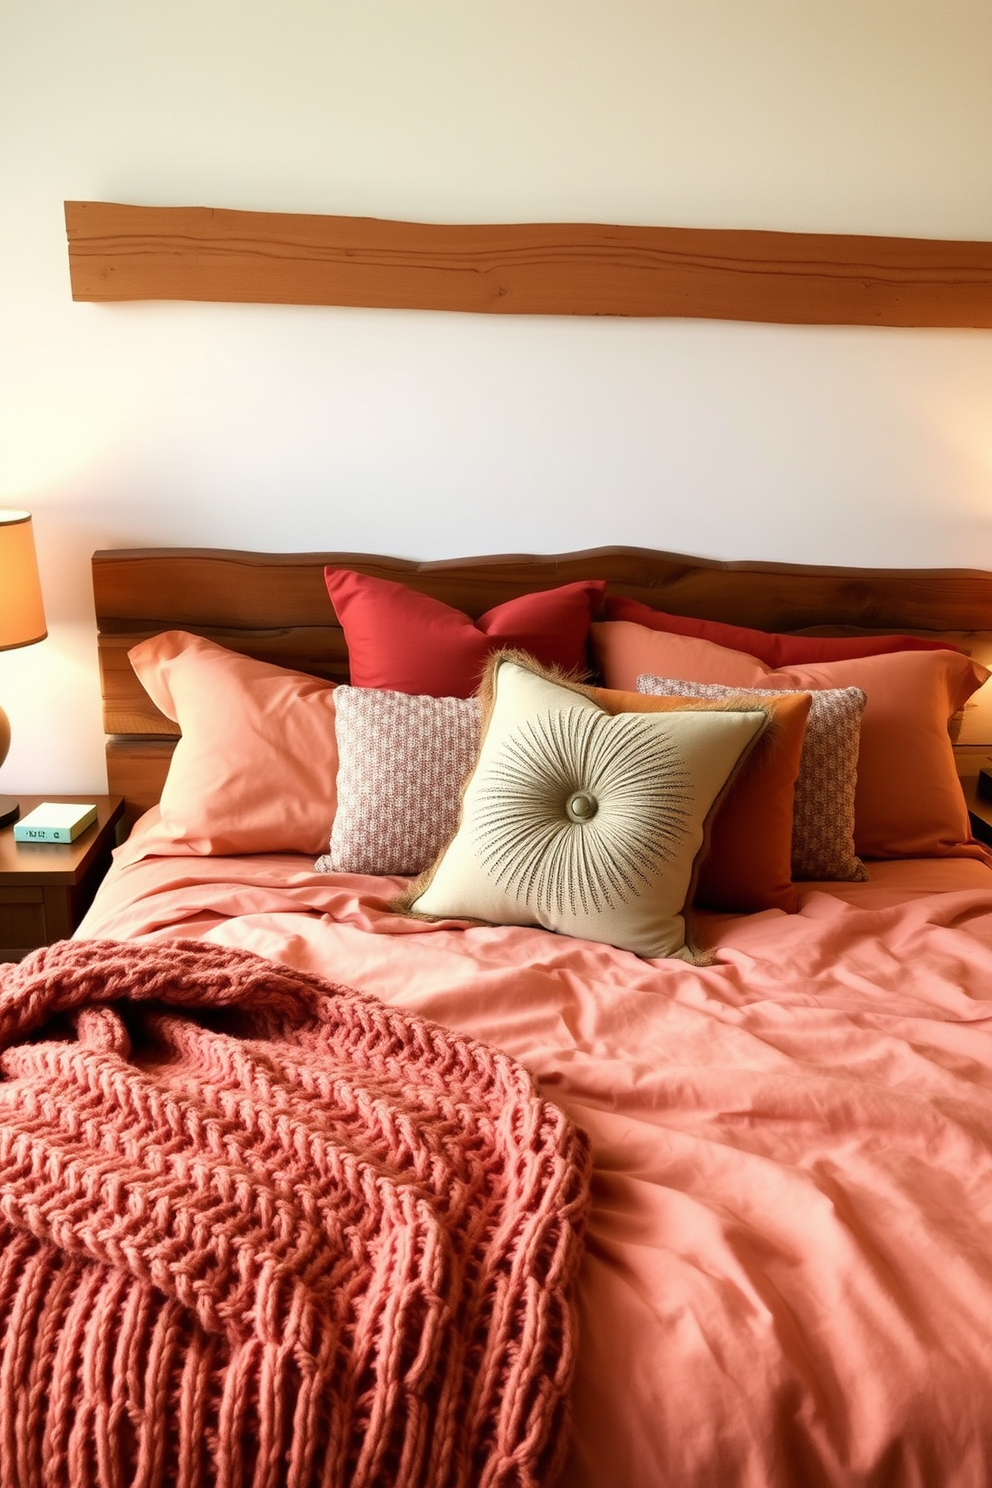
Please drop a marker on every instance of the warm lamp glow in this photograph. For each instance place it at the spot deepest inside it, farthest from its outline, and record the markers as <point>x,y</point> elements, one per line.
<point>22,614</point>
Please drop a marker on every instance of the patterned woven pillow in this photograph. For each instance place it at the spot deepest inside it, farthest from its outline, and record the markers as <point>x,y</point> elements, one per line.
<point>402,761</point>
<point>583,821</point>
<point>823,814</point>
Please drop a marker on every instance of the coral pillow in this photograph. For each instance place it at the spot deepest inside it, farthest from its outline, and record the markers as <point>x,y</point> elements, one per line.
<point>908,802</point>
<point>582,821</point>
<point>748,863</point>
<point>408,642</point>
<point>771,647</point>
<point>256,765</point>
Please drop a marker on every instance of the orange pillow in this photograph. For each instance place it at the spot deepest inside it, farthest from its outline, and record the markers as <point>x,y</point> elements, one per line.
<point>909,802</point>
<point>256,766</point>
<point>747,864</point>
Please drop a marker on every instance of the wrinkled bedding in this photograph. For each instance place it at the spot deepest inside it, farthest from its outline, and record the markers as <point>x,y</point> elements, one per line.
<point>787,1277</point>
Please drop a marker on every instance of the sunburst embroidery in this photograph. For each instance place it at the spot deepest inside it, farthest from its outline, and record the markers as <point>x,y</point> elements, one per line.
<point>579,809</point>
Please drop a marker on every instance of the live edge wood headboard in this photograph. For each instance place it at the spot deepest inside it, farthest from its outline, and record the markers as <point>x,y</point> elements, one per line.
<point>274,606</point>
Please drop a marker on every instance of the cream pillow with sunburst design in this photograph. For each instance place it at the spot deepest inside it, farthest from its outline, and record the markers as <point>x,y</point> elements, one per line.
<point>582,821</point>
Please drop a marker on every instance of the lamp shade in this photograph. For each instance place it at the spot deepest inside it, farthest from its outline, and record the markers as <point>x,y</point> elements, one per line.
<point>22,614</point>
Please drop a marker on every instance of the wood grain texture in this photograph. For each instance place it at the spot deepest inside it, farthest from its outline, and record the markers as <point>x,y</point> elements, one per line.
<point>274,606</point>
<point>138,767</point>
<point>121,252</point>
<point>149,589</point>
<point>36,862</point>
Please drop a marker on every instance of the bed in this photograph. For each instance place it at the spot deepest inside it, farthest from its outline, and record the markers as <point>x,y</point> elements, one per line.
<point>779,1264</point>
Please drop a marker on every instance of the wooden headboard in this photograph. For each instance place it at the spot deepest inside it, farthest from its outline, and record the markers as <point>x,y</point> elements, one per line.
<point>274,606</point>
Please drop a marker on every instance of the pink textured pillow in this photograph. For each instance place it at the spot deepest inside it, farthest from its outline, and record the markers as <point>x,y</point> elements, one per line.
<point>402,762</point>
<point>255,768</point>
<point>774,648</point>
<point>908,802</point>
<point>404,641</point>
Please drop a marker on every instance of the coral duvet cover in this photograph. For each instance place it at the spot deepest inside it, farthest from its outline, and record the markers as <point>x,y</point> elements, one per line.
<point>787,1277</point>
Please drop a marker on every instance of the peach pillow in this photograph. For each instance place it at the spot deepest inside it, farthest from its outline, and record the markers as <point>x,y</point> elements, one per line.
<point>908,801</point>
<point>747,865</point>
<point>256,766</point>
<point>623,651</point>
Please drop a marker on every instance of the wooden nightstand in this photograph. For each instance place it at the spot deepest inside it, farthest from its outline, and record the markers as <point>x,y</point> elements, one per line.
<point>979,809</point>
<point>47,887</point>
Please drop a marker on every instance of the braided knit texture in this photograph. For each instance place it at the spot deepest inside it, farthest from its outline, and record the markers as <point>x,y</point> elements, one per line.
<point>256,1229</point>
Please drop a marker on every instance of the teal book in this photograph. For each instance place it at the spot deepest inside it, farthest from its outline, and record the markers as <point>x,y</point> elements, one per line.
<point>54,821</point>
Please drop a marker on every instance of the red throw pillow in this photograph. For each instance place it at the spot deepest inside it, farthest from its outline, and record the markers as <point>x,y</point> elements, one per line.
<point>408,642</point>
<point>771,647</point>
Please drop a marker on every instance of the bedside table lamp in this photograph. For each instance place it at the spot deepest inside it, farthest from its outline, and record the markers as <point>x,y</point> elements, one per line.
<point>22,615</point>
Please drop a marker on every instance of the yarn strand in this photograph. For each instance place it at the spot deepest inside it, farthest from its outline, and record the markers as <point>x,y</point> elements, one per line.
<point>261,1231</point>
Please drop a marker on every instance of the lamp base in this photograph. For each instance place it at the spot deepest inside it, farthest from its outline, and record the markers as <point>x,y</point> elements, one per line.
<point>10,810</point>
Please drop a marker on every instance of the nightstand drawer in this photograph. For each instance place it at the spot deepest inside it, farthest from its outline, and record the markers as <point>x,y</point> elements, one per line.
<point>46,888</point>
<point>22,918</point>
<point>979,808</point>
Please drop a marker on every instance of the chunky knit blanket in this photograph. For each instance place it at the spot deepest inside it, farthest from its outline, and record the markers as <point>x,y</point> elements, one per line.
<point>259,1230</point>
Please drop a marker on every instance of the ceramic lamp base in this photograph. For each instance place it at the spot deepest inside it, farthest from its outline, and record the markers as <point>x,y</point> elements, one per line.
<point>10,807</point>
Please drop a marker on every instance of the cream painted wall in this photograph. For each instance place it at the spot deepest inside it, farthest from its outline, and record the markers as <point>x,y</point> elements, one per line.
<point>426,435</point>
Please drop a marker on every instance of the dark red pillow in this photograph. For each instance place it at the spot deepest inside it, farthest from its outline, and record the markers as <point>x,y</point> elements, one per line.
<point>774,649</point>
<point>408,642</point>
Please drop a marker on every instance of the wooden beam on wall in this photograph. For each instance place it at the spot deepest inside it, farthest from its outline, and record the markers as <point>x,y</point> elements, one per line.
<point>119,252</point>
